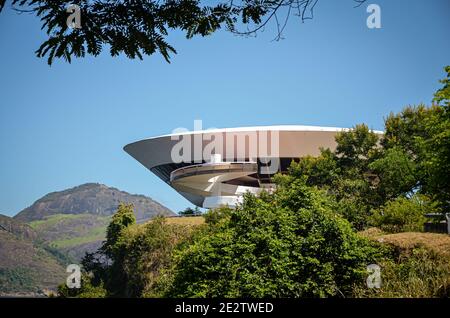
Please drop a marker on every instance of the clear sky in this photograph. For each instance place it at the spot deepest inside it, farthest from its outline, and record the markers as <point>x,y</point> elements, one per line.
<point>65,125</point>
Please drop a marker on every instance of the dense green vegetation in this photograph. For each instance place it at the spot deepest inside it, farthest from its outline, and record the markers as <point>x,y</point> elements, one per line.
<point>58,229</point>
<point>27,264</point>
<point>290,244</point>
<point>74,220</point>
<point>402,214</point>
<point>418,272</point>
<point>72,234</point>
<point>19,278</point>
<point>71,230</point>
<point>190,211</point>
<point>301,240</point>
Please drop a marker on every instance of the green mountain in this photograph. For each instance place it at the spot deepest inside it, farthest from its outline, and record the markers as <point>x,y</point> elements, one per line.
<point>74,221</point>
<point>39,242</point>
<point>91,198</point>
<point>72,234</point>
<point>28,267</point>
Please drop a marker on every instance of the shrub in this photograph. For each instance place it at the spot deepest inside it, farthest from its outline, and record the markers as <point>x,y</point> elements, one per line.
<point>137,262</point>
<point>149,256</point>
<point>416,273</point>
<point>20,278</point>
<point>403,214</point>
<point>289,244</point>
<point>87,289</point>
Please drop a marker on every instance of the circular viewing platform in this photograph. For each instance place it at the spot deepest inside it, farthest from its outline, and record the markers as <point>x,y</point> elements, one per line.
<point>213,168</point>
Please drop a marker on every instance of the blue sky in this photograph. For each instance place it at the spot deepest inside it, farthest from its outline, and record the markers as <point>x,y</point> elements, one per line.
<point>65,125</point>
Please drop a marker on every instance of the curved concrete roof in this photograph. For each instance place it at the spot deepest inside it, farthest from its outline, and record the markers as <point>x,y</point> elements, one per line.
<point>260,128</point>
<point>294,141</point>
<point>215,186</point>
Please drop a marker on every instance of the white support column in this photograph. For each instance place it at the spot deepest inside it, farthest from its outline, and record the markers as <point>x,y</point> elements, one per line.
<point>216,158</point>
<point>447,216</point>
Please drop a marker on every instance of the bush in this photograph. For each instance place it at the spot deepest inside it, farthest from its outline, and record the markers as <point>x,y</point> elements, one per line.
<point>148,257</point>
<point>19,278</point>
<point>289,244</point>
<point>403,214</point>
<point>190,211</point>
<point>136,262</point>
<point>416,273</point>
<point>87,289</point>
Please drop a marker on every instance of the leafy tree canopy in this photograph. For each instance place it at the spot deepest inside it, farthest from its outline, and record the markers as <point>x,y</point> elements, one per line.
<point>108,263</point>
<point>367,170</point>
<point>190,211</point>
<point>403,214</point>
<point>140,27</point>
<point>123,218</point>
<point>442,96</point>
<point>289,244</point>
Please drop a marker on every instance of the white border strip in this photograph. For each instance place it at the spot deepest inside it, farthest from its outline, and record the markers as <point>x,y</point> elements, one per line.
<point>262,128</point>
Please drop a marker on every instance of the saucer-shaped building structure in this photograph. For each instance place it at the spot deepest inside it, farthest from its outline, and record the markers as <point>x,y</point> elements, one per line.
<point>216,167</point>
